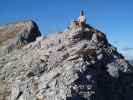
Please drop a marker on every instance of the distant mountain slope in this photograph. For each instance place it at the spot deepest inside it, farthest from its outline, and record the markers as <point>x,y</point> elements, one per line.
<point>131,62</point>
<point>16,35</point>
<point>10,31</point>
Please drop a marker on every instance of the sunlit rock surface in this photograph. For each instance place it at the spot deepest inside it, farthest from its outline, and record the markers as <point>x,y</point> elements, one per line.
<point>77,64</point>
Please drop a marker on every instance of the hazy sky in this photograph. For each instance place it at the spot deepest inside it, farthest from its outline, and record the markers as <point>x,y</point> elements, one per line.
<point>113,17</point>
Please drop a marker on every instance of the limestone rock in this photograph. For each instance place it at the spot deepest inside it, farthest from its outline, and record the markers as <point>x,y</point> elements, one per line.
<point>78,64</point>
<point>16,35</point>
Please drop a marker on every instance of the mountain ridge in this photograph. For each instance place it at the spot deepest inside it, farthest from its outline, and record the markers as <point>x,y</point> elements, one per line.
<point>77,64</point>
<point>17,34</point>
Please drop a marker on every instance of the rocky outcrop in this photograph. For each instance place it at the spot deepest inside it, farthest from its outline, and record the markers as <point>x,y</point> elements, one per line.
<point>18,34</point>
<point>78,64</point>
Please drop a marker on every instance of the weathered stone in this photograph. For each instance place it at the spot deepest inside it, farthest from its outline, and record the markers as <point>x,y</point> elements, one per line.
<point>18,34</point>
<point>74,65</point>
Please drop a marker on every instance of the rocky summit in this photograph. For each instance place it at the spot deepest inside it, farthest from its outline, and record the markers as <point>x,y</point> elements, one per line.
<point>16,35</point>
<point>77,64</point>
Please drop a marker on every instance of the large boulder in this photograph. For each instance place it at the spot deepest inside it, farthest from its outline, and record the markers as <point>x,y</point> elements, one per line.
<point>16,35</point>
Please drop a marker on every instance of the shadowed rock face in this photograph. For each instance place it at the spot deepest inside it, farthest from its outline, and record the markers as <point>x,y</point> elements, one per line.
<point>77,64</point>
<point>16,35</point>
<point>131,62</point>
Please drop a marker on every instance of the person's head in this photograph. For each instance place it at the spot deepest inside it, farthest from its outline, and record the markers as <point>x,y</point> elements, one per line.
<point>81,13</point>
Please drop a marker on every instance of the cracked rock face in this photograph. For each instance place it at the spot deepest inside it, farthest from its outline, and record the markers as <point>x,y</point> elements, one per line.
<point>77,64</point>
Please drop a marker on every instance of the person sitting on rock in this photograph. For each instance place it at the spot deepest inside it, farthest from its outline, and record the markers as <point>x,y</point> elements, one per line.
<point>82,18</point>
<point>80,22</point>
